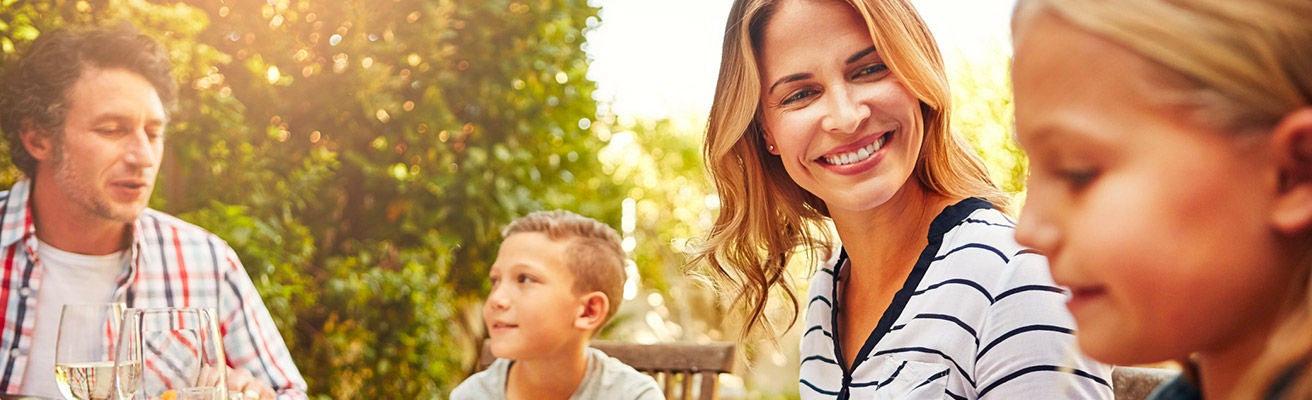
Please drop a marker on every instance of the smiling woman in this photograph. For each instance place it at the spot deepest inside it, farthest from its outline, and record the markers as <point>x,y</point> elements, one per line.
<point>853,130</point>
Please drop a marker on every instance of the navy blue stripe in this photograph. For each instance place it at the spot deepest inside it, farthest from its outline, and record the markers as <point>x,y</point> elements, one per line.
<point>1023,329</point>
<point>894,375</point>
<point>935,377</point>
<point>827,271</point>
<point>964,282</point>
<point>974,246</point>
<point>824,359</point>
<point>822,299</point>
<point>818,328</point>
<point>954,396</point>
<point>164,261</point>
<point>818,390</point>
<point>218,271</point>
<point>951,319</point>
<point>1040,368</point>
<point>980,221</point>
<point>1031,288</point>
<point>926,350</point>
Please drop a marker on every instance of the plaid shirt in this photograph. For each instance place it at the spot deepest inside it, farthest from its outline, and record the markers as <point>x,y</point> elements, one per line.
<point>174,264</point>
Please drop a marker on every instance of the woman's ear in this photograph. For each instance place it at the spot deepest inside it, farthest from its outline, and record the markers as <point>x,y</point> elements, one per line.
<point>593,312</point>
<point>37,142</point>
<point>1292,141</point>
<point>768,139</point>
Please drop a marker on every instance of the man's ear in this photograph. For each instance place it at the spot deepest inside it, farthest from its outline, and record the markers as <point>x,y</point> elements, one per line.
<point>592,313</point>
<point>37,142</point>
<point>1292,142</point>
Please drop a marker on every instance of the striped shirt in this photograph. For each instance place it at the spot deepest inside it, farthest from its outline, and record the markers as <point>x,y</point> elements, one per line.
<point>977,318</point>
<point>173,264</point>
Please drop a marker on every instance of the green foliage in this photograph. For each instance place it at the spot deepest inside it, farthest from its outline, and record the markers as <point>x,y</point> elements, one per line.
<point>981,95</point>
<point>362,158</point>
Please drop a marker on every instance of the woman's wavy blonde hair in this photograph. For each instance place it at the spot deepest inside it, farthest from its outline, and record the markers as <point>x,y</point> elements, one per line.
<point>1245,66</point>
<point>765,217</point>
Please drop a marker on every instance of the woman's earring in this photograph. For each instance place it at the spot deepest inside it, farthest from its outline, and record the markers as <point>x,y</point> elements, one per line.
<point>769,147</point>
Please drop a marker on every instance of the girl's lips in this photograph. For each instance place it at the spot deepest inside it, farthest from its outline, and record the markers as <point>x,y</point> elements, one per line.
<point>1082,296</point>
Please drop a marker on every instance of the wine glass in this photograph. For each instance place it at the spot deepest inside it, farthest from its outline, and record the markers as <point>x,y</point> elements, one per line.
<point>171,353</point>
<point>84,350</point>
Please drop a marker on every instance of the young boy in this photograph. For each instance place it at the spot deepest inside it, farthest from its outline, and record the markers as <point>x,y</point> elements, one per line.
<point>556,281</point>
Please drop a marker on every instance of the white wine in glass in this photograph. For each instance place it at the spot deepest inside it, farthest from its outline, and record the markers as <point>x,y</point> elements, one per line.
<point>84,350</point>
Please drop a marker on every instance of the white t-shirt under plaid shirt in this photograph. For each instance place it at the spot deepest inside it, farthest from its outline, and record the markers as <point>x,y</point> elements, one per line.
<point>978,318</point>
<point>173,264</point>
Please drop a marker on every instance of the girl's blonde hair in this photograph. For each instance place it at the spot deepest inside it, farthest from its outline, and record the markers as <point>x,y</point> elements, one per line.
<point>1245,66</point>
<point>765,217</point>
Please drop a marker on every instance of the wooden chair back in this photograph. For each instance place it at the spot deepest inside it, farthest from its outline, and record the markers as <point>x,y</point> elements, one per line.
<point>677,367</point>
<point>1135,383</point>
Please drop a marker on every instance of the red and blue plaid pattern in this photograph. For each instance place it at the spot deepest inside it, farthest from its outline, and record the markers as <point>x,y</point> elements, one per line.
<point>174,264</point>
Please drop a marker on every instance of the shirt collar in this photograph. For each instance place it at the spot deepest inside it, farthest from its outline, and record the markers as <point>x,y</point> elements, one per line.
<point>17,216</point>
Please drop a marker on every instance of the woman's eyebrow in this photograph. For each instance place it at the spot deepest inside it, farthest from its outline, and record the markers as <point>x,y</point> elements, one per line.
<point>860,54</point>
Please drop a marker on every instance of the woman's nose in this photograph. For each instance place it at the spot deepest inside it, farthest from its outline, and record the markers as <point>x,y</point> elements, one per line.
<point>844,113</point>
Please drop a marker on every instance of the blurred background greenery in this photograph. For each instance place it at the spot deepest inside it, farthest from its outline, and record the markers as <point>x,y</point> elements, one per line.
<point>362,157</point>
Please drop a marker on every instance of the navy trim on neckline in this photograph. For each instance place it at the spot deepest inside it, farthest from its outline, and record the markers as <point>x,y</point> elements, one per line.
<point>950,217</point>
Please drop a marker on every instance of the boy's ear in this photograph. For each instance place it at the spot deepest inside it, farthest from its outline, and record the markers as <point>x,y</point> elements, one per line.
<point>592,314</point>
<point>1292,141</point>
<point>37,142</point>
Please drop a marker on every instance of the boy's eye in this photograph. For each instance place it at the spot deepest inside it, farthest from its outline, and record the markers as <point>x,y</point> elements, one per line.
<point>522,278</point>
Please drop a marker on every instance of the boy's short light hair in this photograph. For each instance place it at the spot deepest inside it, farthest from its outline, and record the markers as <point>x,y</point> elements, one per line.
<point>593,253</point>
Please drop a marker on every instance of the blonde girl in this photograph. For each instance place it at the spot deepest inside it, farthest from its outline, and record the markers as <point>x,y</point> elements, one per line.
<point>1171,151</point>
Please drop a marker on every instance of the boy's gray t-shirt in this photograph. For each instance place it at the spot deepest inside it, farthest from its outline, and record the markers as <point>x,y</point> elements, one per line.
<point>606,378</point>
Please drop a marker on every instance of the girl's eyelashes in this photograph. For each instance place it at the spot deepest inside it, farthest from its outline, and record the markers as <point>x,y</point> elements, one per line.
<point>1079,178</point>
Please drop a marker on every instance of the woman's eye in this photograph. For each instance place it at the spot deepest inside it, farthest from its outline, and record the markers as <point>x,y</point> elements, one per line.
<point>798,96</point>
<point>523,278</point>
<point>870,70</point>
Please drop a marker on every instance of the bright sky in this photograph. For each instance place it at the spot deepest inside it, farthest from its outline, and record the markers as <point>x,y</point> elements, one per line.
<point>659,58</point>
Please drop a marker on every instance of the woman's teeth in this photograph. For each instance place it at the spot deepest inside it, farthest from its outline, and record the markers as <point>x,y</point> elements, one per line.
<point>858,155</point>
